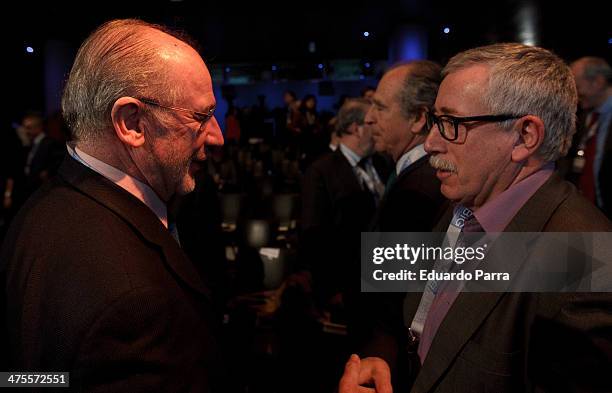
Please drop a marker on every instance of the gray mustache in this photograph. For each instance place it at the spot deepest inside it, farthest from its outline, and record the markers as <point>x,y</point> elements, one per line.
<point>439,163</point>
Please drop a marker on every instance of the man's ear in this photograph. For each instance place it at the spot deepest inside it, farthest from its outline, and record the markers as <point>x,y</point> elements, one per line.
<point>419,122</point>
<point>126,116</point>
<point>531,136</point>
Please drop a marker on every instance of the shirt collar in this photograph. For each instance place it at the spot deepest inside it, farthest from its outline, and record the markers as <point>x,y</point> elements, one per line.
<point>496,214</point>
<point>141,191</point>
<point>352,157</point>
<point>410,157</point>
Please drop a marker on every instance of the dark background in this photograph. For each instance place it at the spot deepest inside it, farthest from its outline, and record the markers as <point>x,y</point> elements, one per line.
<point>260,34</point>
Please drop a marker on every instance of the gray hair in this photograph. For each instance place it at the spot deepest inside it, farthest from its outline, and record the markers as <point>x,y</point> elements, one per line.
<point>352,111</point>
<point>527,80</point>
<point>420,86</point>
<point>118,59</point>
<point>596,66</point>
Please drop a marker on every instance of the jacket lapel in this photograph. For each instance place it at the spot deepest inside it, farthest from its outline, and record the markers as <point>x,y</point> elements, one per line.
<point>136,214</point>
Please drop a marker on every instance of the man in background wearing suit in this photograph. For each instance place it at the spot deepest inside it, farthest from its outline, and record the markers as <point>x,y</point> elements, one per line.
<point>412,200</point>
<point>340,193</point>
<point>44,155</point>
<point>95,283</point>
<point>592,161</point>
<point>503,115</point>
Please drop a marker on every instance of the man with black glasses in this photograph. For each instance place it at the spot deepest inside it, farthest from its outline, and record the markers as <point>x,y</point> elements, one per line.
<point>503,115</point>
<point>96,282</point>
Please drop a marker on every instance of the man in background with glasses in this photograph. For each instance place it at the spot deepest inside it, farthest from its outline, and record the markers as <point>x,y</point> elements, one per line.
<point>96,285</point>
<point>503,115</point>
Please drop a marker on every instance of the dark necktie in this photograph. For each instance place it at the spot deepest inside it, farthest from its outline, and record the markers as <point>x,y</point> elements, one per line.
<point>367,180</point>
<point>391,181</point>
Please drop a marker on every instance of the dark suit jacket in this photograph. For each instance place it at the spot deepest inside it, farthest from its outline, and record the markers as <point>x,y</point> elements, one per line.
<point>413,203</point>
<point>96,286</point>
<point>335,210</point>
<point>517,342</point>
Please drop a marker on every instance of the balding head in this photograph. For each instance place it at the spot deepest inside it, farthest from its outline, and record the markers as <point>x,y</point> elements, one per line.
<point>141,99</point>
<point>418,85</point>
<point>403,96</point>
<point>121,58</point>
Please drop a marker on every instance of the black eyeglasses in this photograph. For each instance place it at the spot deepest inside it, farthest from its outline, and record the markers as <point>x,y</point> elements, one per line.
<point>198,116</point>
<point>448,125</point>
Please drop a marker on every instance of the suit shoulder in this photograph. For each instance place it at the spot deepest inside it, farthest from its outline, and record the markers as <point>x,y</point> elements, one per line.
<point>325,162</point>
<point>577,214</point>
<point>61,227</point>
<point>58,207</point>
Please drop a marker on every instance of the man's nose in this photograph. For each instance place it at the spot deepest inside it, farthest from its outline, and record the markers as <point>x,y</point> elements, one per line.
<point>434,142</point>
<point>369,117</point>
<point>214,136</point>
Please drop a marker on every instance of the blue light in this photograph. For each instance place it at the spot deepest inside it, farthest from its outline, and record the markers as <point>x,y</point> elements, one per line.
<point>227,69</point>
<point>361,77</point>
<point>320,66</point>
<point>366,33</point>
<point>274,68</point>
<point>367,65</point>
<point>408,43</point>
<point>29,49</point>
<point>446,30</point>
<point>610,41</point>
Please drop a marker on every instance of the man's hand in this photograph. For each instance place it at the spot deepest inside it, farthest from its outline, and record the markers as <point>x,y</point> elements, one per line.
<point>369,371</point>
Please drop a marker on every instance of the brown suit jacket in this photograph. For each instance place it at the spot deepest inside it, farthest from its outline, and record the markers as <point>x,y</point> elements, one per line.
<point>517,342</point>
<point>512,342</point>
<point>95,285</point>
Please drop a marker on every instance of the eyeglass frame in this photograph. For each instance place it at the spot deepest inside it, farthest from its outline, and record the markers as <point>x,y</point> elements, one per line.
<point>195,114</point>
<point>431,119</point>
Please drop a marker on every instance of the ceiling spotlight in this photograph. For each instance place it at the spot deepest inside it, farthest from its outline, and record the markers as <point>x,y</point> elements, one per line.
<point>366,33</point>
<point>320,66</point>
<point>29,49</point>
<point>446,30</point>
